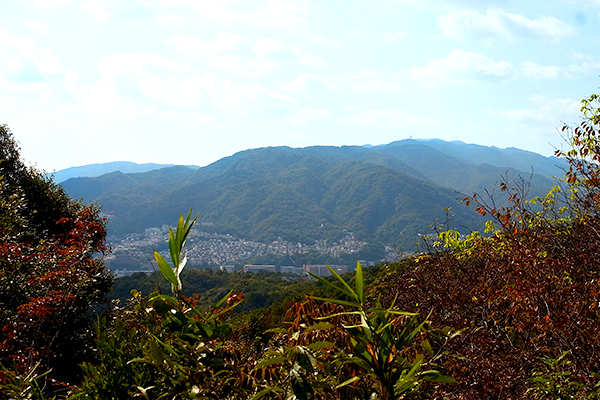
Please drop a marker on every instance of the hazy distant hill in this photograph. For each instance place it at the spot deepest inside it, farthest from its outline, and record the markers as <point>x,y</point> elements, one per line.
<point>93,170</point>
<point>383,194</point>
<point>469,168</point>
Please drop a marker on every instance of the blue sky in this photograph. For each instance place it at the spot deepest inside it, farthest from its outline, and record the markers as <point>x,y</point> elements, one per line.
<point>192,81</point>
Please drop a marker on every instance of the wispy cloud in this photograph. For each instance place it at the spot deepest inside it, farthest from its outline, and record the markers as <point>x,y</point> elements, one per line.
<point>388,118</point>
<point>370,81</point>
<point>271,14</point>
<point>306,82</point>
<point>547,110</point>
<point>240,55</point>
<point>503,25</point>
<point>462,66</point>
<point>571,71</point>
<point>308,115</point>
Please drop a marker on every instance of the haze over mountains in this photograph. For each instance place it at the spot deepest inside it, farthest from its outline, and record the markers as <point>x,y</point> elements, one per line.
<point>92,170</point>
<point>383,195</point>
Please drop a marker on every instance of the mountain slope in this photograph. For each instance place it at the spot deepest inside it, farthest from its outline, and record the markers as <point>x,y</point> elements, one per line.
<point>382,194</point>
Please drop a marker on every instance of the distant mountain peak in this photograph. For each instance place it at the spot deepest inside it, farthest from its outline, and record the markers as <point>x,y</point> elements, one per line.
<point>98,169</point>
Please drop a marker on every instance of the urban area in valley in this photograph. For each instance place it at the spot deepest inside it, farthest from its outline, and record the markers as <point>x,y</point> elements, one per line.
<point>133,252</point>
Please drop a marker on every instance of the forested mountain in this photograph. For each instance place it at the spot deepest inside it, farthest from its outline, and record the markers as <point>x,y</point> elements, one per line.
<point>383,194</point>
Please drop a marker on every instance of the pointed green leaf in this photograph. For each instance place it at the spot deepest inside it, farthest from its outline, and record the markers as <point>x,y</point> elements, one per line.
<point>156,352</point>
<point>224,299</point>
<point>359,282</point>
<point>173,250</point>
<point>436,376</point>
<point>269,362</point>
<point>166,298</point>
<point>320,345</point>
<point>330,284</point>
<point>425,345</point>
<point>224,311</point>
<point>179,233</point>
<point>301,384</point>
<point>336,301</point>
<point>278,330</point>
<point>165,268</point>
<point>266,391</point>
<point>349,381</point>
<point>348,290</point>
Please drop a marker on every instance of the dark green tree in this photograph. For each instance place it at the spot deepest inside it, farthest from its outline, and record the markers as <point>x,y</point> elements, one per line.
<point>51,278</point>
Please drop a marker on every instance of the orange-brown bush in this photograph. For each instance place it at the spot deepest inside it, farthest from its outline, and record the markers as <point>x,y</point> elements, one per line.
<point>532,290</point>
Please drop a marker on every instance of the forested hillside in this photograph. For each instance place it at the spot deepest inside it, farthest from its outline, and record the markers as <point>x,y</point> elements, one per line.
<point>385,195</point>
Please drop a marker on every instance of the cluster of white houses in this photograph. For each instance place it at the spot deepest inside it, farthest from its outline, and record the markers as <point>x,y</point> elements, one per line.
<point>317,269</point>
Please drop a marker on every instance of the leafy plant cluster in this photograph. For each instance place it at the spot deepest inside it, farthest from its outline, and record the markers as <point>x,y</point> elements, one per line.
<point>50,278</point>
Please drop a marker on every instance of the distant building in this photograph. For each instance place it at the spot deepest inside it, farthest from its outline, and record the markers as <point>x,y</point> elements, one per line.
<point>227,268</point>
<point>292,270</point>
<point>257,268</point>
<point>322,270</point>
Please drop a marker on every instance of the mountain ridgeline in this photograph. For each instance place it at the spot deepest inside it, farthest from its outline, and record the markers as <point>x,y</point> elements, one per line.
<point>385,195</point>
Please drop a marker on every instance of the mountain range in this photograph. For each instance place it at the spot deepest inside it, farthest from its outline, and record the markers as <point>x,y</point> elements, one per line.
<point>384,194</point>
<point>92,170</point>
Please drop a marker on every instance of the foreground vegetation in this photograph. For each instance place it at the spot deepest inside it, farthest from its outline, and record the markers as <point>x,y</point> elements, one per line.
<point>508,314</point>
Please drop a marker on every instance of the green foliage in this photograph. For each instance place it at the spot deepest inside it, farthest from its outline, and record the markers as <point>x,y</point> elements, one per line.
<point>176,242</point>
<point>555,381</point>
<point>346,349</point>
<point>379,340</point>
<point>51,281</point>
<point>162,347</point>
<point>22,386</point>
<point>452,240</point>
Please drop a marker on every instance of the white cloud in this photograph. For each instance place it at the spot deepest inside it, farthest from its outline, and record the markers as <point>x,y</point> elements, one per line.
<point>134,62</point>
<point>177,85</point>
<point>194,45</point>
<point>274,14</point>
<point>499,24</point>
<point>572,71</point>
<point>533,70</point>
<point>547,111</point>
<point>389,118</point>
<point>51,3</point>
<point>311,60</point>
<point>306,81</point>
<point>37,27</point>
<point>239,55</point>
<point>24,64</point>
<point>375,85</point>
<point>308,115</point>
<point>370,81</point>
<point>267,46</point>
<point>157,78</point>
<point>461,66</point>
<point>235,100</point>
<point>393,36</point>
<point>96,8</point>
